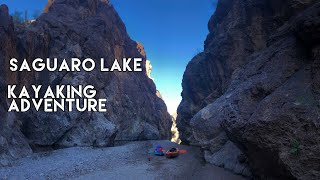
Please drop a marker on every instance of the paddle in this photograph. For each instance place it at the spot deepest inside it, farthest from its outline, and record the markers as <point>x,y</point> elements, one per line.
<point>183,151</point>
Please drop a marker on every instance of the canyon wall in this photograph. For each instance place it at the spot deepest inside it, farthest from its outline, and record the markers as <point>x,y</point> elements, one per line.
<point>251,99</point>
<point>13,143</point>
<point>78,28</point>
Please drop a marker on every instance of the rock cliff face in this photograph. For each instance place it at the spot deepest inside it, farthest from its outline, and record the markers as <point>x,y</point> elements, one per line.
<point>12,142</point>
<point>79,28</point>
<point>251,99</point>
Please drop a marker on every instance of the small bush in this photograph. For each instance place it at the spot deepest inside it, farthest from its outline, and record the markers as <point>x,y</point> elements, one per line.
<point>17,17</point>
<point>295,148</point>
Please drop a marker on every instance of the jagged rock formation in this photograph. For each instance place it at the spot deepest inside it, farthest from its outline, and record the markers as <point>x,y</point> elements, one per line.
<point>252,97</point>
<point>90,28</point>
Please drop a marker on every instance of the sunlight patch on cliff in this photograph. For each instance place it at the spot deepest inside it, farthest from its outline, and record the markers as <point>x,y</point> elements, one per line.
<point>174,130</point>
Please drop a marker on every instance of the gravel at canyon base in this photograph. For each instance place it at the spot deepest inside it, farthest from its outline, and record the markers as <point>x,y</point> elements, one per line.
<point>134,160</point>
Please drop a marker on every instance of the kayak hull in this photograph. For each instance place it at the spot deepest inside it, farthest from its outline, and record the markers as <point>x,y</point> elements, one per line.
<point>158,153</point>
<point>174,154</point>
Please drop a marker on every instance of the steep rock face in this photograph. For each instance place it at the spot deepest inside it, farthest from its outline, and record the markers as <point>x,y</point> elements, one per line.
<point>90,28</point>
<point>257,85</point>
<point>93,29</point>
<point>12,142</point>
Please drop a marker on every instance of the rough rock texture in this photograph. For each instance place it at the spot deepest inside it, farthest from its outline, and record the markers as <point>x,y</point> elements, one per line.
<point>12,142</point>
<point>256,85</point>
<point>90,28</point>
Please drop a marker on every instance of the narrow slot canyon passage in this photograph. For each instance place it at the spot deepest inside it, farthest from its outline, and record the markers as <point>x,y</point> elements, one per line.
<point>218,89</point>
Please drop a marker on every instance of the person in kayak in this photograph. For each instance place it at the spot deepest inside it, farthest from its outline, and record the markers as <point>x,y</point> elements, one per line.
<point>158,151</point>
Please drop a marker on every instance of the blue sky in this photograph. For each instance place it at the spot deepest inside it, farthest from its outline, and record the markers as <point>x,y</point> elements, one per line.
<point>172,32</point>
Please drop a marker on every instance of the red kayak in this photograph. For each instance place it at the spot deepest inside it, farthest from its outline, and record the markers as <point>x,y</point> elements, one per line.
<point>172,153</point>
